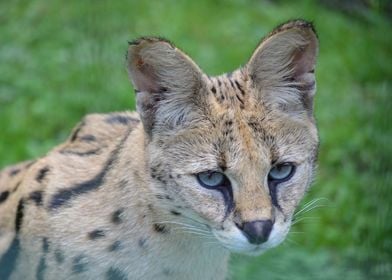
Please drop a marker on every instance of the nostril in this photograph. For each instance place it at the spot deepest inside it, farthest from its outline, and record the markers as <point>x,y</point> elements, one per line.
<point>258,231</point>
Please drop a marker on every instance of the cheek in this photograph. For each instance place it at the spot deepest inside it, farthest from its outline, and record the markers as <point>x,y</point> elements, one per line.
<point>289,197</point>
<point>279,232</point>
<point>208,204</point>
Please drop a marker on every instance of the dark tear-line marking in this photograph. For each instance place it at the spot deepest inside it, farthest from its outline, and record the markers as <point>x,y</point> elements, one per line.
<point>64,196</point>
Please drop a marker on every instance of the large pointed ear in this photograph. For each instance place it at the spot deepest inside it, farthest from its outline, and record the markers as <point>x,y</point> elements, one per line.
<point>165,81</point>
<point>282,68</point>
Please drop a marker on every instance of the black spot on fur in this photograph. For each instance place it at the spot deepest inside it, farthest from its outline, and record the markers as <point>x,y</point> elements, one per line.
<point>79,264</point>
<point>222,162</point>
<point>116,216</point>
<point>167,272</point>
<point>9,259</point>
<point>142,242</point>
<point>42,173</point>
<point>160,228</point>
<point>59,256</point>
<point>36,197</point>
<point>45,245</point>
<point>115,274</point>
<point>41,269</point>
<point>64,196</point>
<point>19,215</point>
<point>14,172</point>
<point>115,246</point>
<point>213,89</point>
<point>4,196</point>
<point>96,234</point>
<point>175,213</point>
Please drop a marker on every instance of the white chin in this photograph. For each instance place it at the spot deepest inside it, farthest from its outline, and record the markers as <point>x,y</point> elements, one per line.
<point>247,249</point>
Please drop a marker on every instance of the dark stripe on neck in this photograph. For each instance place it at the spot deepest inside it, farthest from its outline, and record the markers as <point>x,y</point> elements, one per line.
<point>63,197</point>
<point>42,263</point>
<point>9,259</point>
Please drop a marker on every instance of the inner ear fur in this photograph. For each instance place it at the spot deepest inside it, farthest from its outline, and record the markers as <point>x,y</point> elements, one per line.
<point>282,68</point>
<point>165,80</point>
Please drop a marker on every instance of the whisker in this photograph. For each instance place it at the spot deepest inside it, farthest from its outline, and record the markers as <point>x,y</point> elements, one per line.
<point>189,226</point>
<point>291,241</point>
<point>296,221</point>
<point>311,205</point>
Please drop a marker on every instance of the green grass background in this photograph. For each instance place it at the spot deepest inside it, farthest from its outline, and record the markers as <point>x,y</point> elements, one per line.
<point>62,59</point>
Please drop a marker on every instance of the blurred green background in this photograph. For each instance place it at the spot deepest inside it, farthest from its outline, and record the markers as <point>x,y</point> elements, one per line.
<point>63,59</point>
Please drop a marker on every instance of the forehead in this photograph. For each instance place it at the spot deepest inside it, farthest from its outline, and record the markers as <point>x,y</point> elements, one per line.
<point>248,126</point>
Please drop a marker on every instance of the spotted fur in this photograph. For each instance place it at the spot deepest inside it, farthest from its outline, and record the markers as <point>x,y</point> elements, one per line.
<point>120,199</point>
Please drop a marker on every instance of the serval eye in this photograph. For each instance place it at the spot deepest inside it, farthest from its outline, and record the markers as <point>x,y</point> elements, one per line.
<point>281,172</point>
<point>211,179</point>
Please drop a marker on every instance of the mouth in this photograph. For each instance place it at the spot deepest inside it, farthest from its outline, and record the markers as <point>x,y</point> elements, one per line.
<point>236,242</point>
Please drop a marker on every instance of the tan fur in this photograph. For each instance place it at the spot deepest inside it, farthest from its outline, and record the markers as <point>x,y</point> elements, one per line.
<point>120,199</point>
